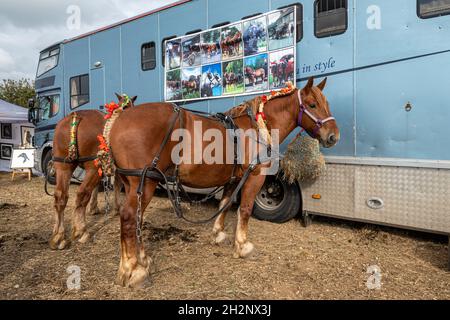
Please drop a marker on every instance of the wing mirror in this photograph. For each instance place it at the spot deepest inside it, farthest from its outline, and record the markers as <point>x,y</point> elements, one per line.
<point>32,118</point>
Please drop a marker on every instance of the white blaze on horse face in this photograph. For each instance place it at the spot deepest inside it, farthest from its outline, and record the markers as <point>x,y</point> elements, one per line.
<point>213,153</point>
<point>183,147</point>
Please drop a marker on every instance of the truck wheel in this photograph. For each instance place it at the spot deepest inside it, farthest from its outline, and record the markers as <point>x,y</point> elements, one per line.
<point>49,170</point>
<point>278,201</point>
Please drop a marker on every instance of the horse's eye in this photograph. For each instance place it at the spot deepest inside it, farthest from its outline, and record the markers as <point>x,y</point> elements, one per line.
<point>313,106</point>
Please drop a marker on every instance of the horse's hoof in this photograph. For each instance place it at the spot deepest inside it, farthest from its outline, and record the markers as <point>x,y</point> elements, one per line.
<point>134,278</point>
<point>84,238</point>
<point>57,242</point>
<point>220,238</point>
<point>244,251</point>
<point>80,236</point>
<point>94,212</point>
<point>63,244</point>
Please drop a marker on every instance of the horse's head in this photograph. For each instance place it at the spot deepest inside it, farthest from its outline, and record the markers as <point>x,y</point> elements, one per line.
<point>315,115</point>
<point>125,101</point>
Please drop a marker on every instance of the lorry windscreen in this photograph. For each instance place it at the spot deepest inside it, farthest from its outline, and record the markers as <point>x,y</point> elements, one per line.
<point>47,61</point>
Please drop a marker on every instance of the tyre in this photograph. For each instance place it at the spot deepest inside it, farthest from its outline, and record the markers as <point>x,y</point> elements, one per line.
<point>49,170</point>
<point>278,201</point>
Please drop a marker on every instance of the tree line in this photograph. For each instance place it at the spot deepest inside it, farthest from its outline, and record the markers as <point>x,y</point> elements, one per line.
<point>17,92</point>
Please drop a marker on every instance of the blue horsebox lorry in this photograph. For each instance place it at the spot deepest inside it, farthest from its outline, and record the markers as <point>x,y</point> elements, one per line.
<point>388,70</point>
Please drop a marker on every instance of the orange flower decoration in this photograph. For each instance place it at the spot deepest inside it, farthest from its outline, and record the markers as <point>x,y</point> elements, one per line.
<point>103,145</point>
<point>110,108</point>
<point>273,93</point>
<point>99,167</point>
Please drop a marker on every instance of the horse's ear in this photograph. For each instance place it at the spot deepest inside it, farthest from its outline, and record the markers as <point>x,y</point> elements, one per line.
<point>118,96</point>
<point>322,85</point>
<point>309,85</point>
<point>134,99</point>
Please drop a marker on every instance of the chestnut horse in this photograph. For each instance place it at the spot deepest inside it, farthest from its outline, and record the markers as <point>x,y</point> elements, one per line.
<point>138,137</point>
<point>81,133</point>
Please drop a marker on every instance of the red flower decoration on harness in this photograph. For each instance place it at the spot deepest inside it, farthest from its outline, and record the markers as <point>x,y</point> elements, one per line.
<point>264,99</point>
<point>262,115</point>
<point>110,108</point>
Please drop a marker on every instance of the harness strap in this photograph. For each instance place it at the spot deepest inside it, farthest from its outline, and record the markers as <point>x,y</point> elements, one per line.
<point>77,160</point>
<point>319,122</point>
<point>156,159</point>
<point>247,173</point>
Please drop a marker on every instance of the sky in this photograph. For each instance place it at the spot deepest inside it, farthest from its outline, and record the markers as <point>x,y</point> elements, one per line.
<point>28,26</point>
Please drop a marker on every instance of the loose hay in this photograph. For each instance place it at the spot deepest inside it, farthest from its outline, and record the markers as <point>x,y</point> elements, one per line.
<point>328,260</point>
<point>303,160</point>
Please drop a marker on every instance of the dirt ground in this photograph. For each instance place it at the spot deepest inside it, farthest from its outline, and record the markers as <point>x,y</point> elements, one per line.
<point>328,260</point>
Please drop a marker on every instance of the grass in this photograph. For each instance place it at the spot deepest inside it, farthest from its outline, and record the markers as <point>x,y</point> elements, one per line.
<point>190,95</point>
<point>235,89</point>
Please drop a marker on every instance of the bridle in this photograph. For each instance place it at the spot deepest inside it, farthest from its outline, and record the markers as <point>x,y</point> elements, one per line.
<point>319,122</point>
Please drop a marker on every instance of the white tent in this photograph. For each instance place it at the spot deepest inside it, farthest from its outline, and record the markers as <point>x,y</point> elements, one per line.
<point>10,113</point>
<point>13,126</point>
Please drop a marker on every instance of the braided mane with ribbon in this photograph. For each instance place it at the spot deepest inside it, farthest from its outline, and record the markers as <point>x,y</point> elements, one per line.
<point>73,144</point>
<point>105,161</point>
<point>257,106</point>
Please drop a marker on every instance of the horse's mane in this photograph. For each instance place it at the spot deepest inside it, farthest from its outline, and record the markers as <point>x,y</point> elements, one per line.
<point>254,104</point>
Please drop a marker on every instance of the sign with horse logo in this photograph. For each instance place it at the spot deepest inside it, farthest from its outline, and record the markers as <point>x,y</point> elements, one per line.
<point>251,56</point>
<point>22,159</point>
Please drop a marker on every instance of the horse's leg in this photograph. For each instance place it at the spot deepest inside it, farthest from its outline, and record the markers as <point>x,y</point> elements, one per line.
<point>93,204</point>
<point>117,194</point>
<point>63,175</point>
<point>219,225</point>
<point>90,182</point>
<point>134,263</point>
<point>243,247</point>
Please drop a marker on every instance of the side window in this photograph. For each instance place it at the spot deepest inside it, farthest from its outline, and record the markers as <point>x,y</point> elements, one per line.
<point>48,107</point>
<point>299,9</point>
<point>163,49</point>
<point>148,56</point>
<point>330,17</point>
<point>432,8</point>
<point>79,91</point>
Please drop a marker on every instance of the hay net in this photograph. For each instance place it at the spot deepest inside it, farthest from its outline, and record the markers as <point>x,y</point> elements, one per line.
<point>303,160</point>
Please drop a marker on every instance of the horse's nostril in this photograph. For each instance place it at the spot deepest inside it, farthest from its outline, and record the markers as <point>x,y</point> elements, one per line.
<point>332,138</point>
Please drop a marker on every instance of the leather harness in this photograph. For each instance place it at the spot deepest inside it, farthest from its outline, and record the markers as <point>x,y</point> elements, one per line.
<point>153,172</point>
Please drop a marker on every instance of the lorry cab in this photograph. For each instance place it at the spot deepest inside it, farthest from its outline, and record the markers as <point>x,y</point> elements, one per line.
<point>47,108</point>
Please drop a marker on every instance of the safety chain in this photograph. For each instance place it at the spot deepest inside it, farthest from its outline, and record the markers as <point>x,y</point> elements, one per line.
<point>106,191</point>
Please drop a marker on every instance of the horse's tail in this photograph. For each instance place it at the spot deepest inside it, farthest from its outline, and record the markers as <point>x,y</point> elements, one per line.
<point>73,144</point>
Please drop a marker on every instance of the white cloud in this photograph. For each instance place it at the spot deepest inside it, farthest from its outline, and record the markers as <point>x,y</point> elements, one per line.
<point>27,27</point>
<point>6,61</point>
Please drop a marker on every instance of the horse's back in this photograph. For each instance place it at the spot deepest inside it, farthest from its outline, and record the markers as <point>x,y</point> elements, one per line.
<point>90,125</point>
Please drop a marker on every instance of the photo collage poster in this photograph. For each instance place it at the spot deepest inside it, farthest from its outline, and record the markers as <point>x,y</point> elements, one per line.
<point>252,56</point>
